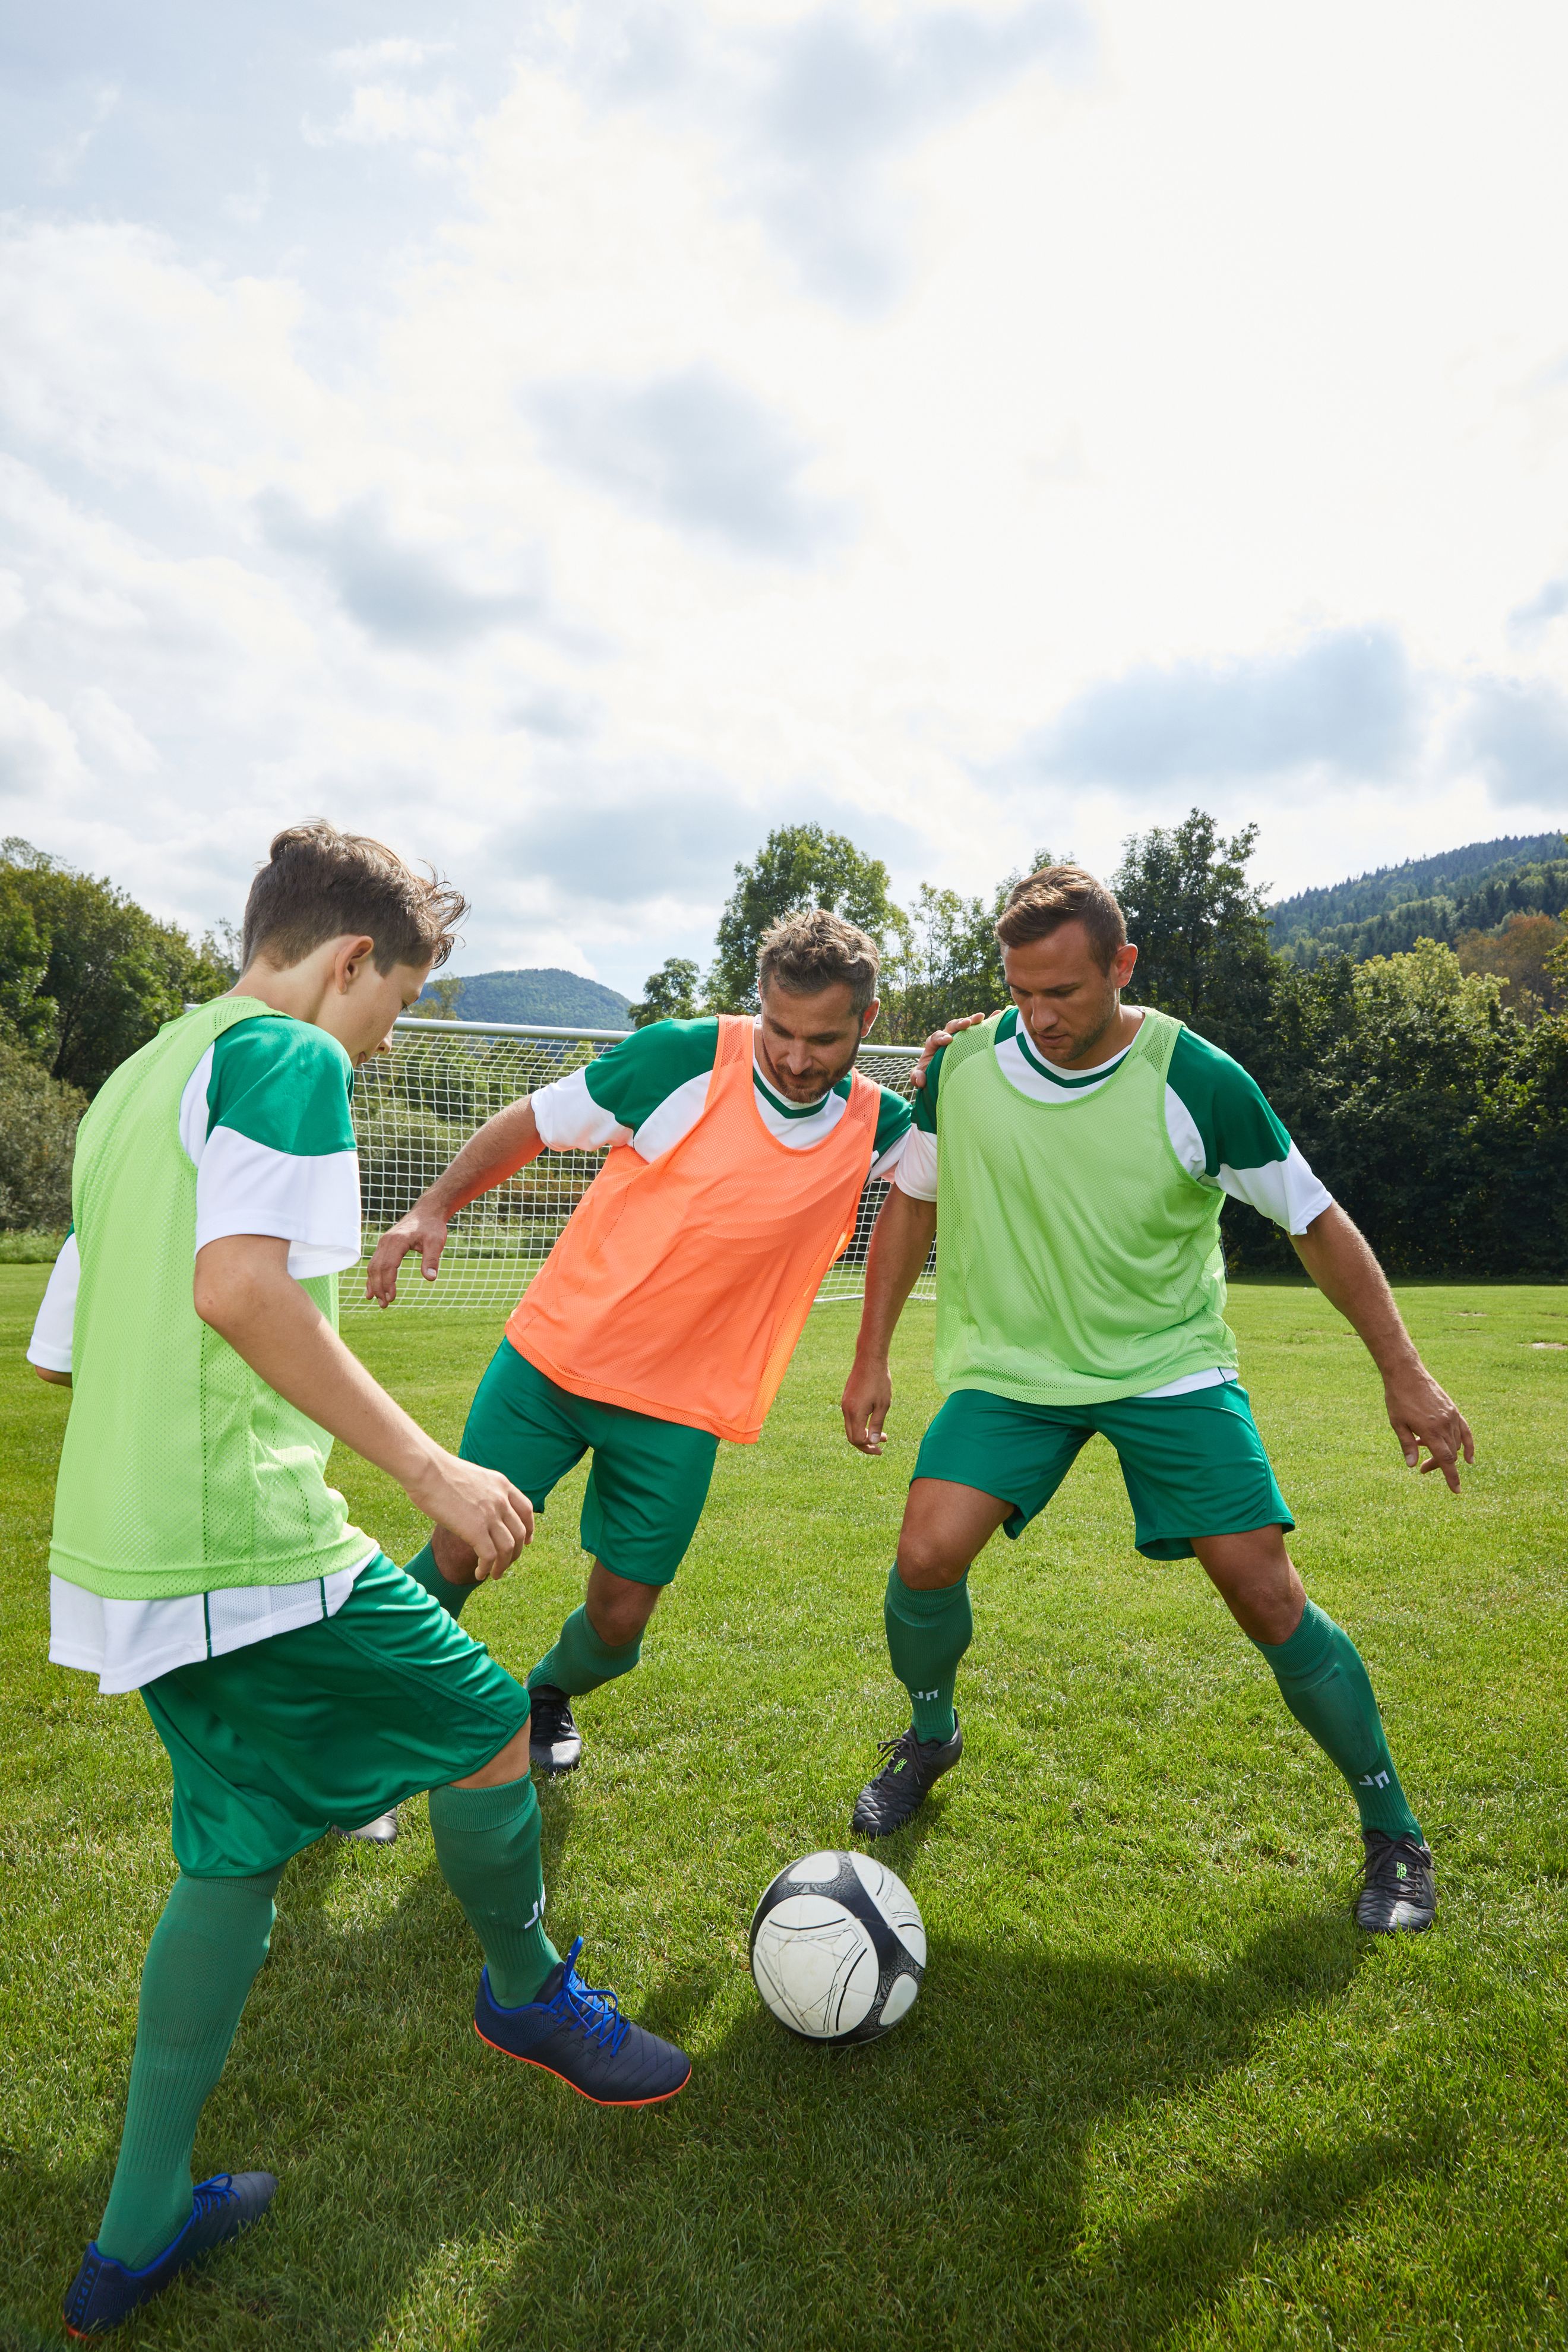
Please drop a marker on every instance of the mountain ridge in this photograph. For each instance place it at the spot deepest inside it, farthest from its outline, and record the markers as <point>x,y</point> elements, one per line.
<point>1361,898</point>
<point>544,995</point>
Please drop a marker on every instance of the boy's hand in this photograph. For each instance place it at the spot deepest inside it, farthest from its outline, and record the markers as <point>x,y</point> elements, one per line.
<point>482,1507</point>
<point>423,1229</point>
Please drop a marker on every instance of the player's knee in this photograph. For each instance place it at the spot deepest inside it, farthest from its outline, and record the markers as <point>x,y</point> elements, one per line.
<point>618,1612</point>
<point>455,1560</point>
<point>508,1763</point>
<point>925,1562</point>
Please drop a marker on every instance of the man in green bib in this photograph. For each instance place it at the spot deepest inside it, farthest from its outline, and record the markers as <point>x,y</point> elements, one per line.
<point>295,1677</point>
<point>1076,1152</point>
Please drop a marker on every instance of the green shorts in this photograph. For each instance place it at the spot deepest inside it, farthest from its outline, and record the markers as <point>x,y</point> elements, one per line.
<point>648,1481</point>
<point>1192,1464</point>
<point>328,1725</point>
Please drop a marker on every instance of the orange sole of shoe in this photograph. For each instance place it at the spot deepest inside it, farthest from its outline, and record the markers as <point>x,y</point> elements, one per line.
<point>658,2100</point>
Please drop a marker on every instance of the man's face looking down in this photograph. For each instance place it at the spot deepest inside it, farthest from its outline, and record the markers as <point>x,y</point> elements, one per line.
<point>1068,1005</point>
<point>807,1043</point>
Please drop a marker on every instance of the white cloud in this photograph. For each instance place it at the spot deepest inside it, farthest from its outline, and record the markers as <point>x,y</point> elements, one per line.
<point>768,410</point>
<point>372,57</point>
<point>383,114</point>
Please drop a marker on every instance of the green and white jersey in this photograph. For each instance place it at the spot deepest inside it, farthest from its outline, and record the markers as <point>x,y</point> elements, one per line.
<point>652,1089</point>
<point>1220,1128</point>
<point>265,1119</point>
<point>1220,1125</point>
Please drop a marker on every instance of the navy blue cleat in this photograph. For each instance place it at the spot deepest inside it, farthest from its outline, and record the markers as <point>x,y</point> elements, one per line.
<point>105,2294</point>
<point>581,2036</point>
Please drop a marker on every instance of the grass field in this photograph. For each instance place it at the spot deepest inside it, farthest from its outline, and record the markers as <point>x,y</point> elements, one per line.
<point>1156,2092</point>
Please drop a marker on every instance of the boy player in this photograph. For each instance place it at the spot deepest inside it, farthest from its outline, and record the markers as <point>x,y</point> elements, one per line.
<point>295,1677</point>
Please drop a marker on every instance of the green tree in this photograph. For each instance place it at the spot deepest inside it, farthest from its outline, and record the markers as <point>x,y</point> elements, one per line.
<point>945,961</point>
<point>113,973</point>
<point>1201,929</point>
<point>37,1140</point>
<point>27,1015</point>
<point>797,865</point>
<point>668,994</point>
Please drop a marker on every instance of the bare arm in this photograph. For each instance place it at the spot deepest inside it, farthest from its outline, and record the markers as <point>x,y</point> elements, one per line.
<point>244,1290</point>
<point>55,1379</point>
<point>900,1245</point>
<point>502,1146</point>
<point>1420,1412</point>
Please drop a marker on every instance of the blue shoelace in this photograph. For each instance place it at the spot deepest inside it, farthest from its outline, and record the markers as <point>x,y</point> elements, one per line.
<point>597,2014</point>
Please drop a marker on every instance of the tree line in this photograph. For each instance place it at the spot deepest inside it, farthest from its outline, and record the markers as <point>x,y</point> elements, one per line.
<point>1428,1088</point>
<point>86,977</point>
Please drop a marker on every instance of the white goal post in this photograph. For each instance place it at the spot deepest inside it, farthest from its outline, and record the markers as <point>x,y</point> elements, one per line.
<point>416,1107</point>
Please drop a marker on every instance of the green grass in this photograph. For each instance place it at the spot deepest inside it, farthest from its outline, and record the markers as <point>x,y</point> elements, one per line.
<point>1156,2091</point>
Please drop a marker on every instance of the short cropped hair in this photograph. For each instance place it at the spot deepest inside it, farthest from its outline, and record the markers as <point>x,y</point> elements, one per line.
<point>319,883</point>
<point>1041,903</point>
<point>812,950</point>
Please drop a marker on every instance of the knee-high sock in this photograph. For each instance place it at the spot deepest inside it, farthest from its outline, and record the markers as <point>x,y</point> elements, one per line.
<point>1323,1683</point>
<point>580,1662</point>
<point>928,1633</point>
<point>200,1965</point>
<point>422,1568</point>
<point>487,1843</point>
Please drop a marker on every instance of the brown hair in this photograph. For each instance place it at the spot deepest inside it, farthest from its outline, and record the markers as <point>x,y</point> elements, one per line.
<point>1041,903</point>
<point>319,883</point>
<point>813,950</point>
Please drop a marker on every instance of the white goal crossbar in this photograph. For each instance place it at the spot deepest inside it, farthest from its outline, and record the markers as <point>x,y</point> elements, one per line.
<point>416,1107</point>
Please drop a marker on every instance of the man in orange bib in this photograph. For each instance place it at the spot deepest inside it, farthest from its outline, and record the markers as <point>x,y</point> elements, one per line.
<point>665,1317</point>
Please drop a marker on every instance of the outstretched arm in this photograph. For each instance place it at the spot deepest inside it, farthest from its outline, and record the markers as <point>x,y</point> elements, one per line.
<point>1420,1412</point>
<point>502,1146</point>
<point>900,1244</point>
<point>244,1290</point>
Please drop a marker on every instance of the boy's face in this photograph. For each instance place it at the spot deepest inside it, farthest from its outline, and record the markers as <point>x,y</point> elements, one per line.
<point>361,1003</point>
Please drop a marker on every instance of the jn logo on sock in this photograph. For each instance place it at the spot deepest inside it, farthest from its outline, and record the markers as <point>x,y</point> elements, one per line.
<point>915,1694</point>
<point>1374,1780</point>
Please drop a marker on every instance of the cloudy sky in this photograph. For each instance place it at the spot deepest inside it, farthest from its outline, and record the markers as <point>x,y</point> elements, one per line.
<point>568,440</point>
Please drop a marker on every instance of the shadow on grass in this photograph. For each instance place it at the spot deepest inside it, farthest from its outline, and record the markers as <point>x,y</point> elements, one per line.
<point>944,2184</point>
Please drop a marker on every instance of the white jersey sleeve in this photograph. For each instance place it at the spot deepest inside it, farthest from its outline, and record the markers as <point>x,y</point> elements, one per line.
<point>50,1345</point>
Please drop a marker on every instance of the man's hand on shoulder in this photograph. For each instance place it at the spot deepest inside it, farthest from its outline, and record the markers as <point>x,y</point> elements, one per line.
<point>938,1039</point>
<point>423,1229</point>
<point>1423,1415</point>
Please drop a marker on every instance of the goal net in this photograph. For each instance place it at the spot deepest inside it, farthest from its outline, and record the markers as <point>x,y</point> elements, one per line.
<point>416,1107</point>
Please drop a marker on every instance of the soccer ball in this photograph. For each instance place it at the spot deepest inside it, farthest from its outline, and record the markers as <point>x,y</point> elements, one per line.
<point>838,1949</point>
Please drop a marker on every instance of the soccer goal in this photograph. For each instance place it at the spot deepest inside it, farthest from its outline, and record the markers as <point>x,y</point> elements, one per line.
<point>417,1106</point>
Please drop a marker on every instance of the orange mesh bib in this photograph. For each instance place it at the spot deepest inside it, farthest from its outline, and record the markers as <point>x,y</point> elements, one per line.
<point>681,1285</point>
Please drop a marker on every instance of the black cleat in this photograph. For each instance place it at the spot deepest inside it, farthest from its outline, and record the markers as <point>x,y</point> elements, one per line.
<point>555,1742</point>
<point>105,2294</point>
<point>898,1790</point>
<point>382,1830</point>
<point>1399,1892</point>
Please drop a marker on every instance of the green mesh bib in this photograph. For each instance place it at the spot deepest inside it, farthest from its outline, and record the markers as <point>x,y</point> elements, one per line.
<point>1077,1261</point>
<point>182,1471</point>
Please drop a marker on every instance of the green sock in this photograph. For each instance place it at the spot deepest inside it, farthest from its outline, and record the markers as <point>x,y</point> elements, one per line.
<point>422,1568</point>
<point>200,1965</point>
<point>1324,1683</point>
<point>927,1632</point>
<point>580,1662</point>
<point>487,1843</point>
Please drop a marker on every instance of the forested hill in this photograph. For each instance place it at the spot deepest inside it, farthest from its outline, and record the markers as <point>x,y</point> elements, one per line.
<point>1383,913</point>
<point>542,995</point>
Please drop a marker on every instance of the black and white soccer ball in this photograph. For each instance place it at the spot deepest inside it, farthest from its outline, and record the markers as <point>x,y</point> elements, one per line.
<point>838,1949</point>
